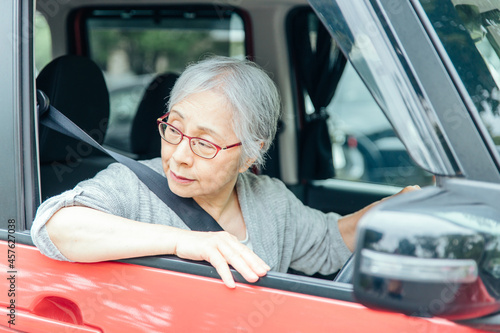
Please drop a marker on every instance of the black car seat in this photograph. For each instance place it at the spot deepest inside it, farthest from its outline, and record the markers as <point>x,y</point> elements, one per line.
<point>75,86</point>
<point>145,141</point>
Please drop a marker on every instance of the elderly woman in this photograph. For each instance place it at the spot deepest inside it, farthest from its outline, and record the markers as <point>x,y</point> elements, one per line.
<point>221,120</point>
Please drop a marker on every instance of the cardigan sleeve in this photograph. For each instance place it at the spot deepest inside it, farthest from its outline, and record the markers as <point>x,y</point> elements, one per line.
<point>115,190</point>
<point>285,232</point>
<point>319,246</point>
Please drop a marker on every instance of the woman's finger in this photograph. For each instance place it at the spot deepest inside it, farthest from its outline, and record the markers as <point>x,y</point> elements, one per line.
<point>254,261</point>
<point>217,260</point>
<point>234,258</point>
<point>241,257</point>
<point>222,249</point>
<point>410,188</point>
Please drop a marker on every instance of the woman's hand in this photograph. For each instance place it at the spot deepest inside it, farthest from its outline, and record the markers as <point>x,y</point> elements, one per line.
<point>221,249</point>
<point>349,223</point>
<point>84,234</point>
<point>405,190</point>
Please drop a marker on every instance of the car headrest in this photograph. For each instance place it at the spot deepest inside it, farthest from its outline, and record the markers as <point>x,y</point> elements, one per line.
<point>145,140</point>
<point>75,86</point>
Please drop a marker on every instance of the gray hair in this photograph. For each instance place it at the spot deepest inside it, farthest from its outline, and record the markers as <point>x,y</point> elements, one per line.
<point>249,90</point>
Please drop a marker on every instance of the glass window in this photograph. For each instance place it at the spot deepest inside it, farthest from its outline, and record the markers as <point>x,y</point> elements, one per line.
<point>470,33</point>
<point>365,147</point>
<point>43,42</point>
<point>133,46</point>
<point>364,144</point>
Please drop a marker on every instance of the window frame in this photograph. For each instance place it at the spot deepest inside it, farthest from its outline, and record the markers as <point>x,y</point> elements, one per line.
<point>78,41</point>
<point>280,281</point>
<point>18,126</point>
<point>462,91</point>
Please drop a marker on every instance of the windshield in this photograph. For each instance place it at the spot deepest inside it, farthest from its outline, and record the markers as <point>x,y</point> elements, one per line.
<point>470,33</point>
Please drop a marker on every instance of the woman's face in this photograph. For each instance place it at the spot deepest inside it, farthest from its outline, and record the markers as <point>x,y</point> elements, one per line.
<point>206,115</point>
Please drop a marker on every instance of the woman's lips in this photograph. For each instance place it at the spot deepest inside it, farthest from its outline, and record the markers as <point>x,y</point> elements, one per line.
<point>180,179</point>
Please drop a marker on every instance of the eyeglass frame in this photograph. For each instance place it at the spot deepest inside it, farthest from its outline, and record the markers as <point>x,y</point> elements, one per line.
<point>161,121</point>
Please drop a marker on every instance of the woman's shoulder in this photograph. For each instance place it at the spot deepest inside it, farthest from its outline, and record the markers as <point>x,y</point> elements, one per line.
<point>260,184</point>
<point>118,177</point>
<point>266,191</point>
<point>118,170</point>
<point>259,180</point>
<point>117,190</point>
<point>154,164</point>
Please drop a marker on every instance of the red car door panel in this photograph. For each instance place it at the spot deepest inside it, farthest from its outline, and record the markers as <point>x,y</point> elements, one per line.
<point>121,297</point>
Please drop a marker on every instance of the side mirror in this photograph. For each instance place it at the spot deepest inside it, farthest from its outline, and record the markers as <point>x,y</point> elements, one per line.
<point>433,252</point>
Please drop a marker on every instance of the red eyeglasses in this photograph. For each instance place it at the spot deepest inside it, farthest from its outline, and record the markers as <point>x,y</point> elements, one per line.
<point>199,146</point>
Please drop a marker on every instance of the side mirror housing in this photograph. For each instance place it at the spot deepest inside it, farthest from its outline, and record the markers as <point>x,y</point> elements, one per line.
<point>433,252</point>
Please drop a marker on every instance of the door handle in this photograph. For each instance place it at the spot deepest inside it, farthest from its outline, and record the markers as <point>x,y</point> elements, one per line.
<point>26,321</point>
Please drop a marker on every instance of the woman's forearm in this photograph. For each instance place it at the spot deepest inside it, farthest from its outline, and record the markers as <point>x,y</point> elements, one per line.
<point>87,235</point>
<point>349,223</point>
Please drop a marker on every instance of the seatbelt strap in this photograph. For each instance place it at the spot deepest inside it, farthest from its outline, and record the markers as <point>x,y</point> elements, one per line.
<point>187,209</point>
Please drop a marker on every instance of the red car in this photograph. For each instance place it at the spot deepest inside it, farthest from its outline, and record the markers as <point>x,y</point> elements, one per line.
<point>375,94</point>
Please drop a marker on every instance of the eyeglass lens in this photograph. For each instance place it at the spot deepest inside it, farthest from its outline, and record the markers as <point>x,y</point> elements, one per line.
<point>200,147</point>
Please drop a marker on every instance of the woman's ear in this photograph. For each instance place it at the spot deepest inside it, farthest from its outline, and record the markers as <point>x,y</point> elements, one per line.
<point>247,165</point>
<point>250,161</point>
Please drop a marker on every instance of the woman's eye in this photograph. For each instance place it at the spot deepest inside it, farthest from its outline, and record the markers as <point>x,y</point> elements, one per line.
<point>172,130</point>
<point>204,144</point>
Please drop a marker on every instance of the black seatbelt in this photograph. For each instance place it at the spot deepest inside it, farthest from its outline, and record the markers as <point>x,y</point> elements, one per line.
<point>186,208</point>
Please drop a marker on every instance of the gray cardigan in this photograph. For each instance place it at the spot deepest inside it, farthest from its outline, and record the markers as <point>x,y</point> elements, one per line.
<point>283,232</point>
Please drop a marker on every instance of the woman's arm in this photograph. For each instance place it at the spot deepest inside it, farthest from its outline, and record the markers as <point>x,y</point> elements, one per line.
<point>349,223</point>
<point>87,235</point>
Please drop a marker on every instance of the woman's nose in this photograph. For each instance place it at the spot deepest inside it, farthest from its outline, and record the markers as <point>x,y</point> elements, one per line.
<point>183,152</point>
